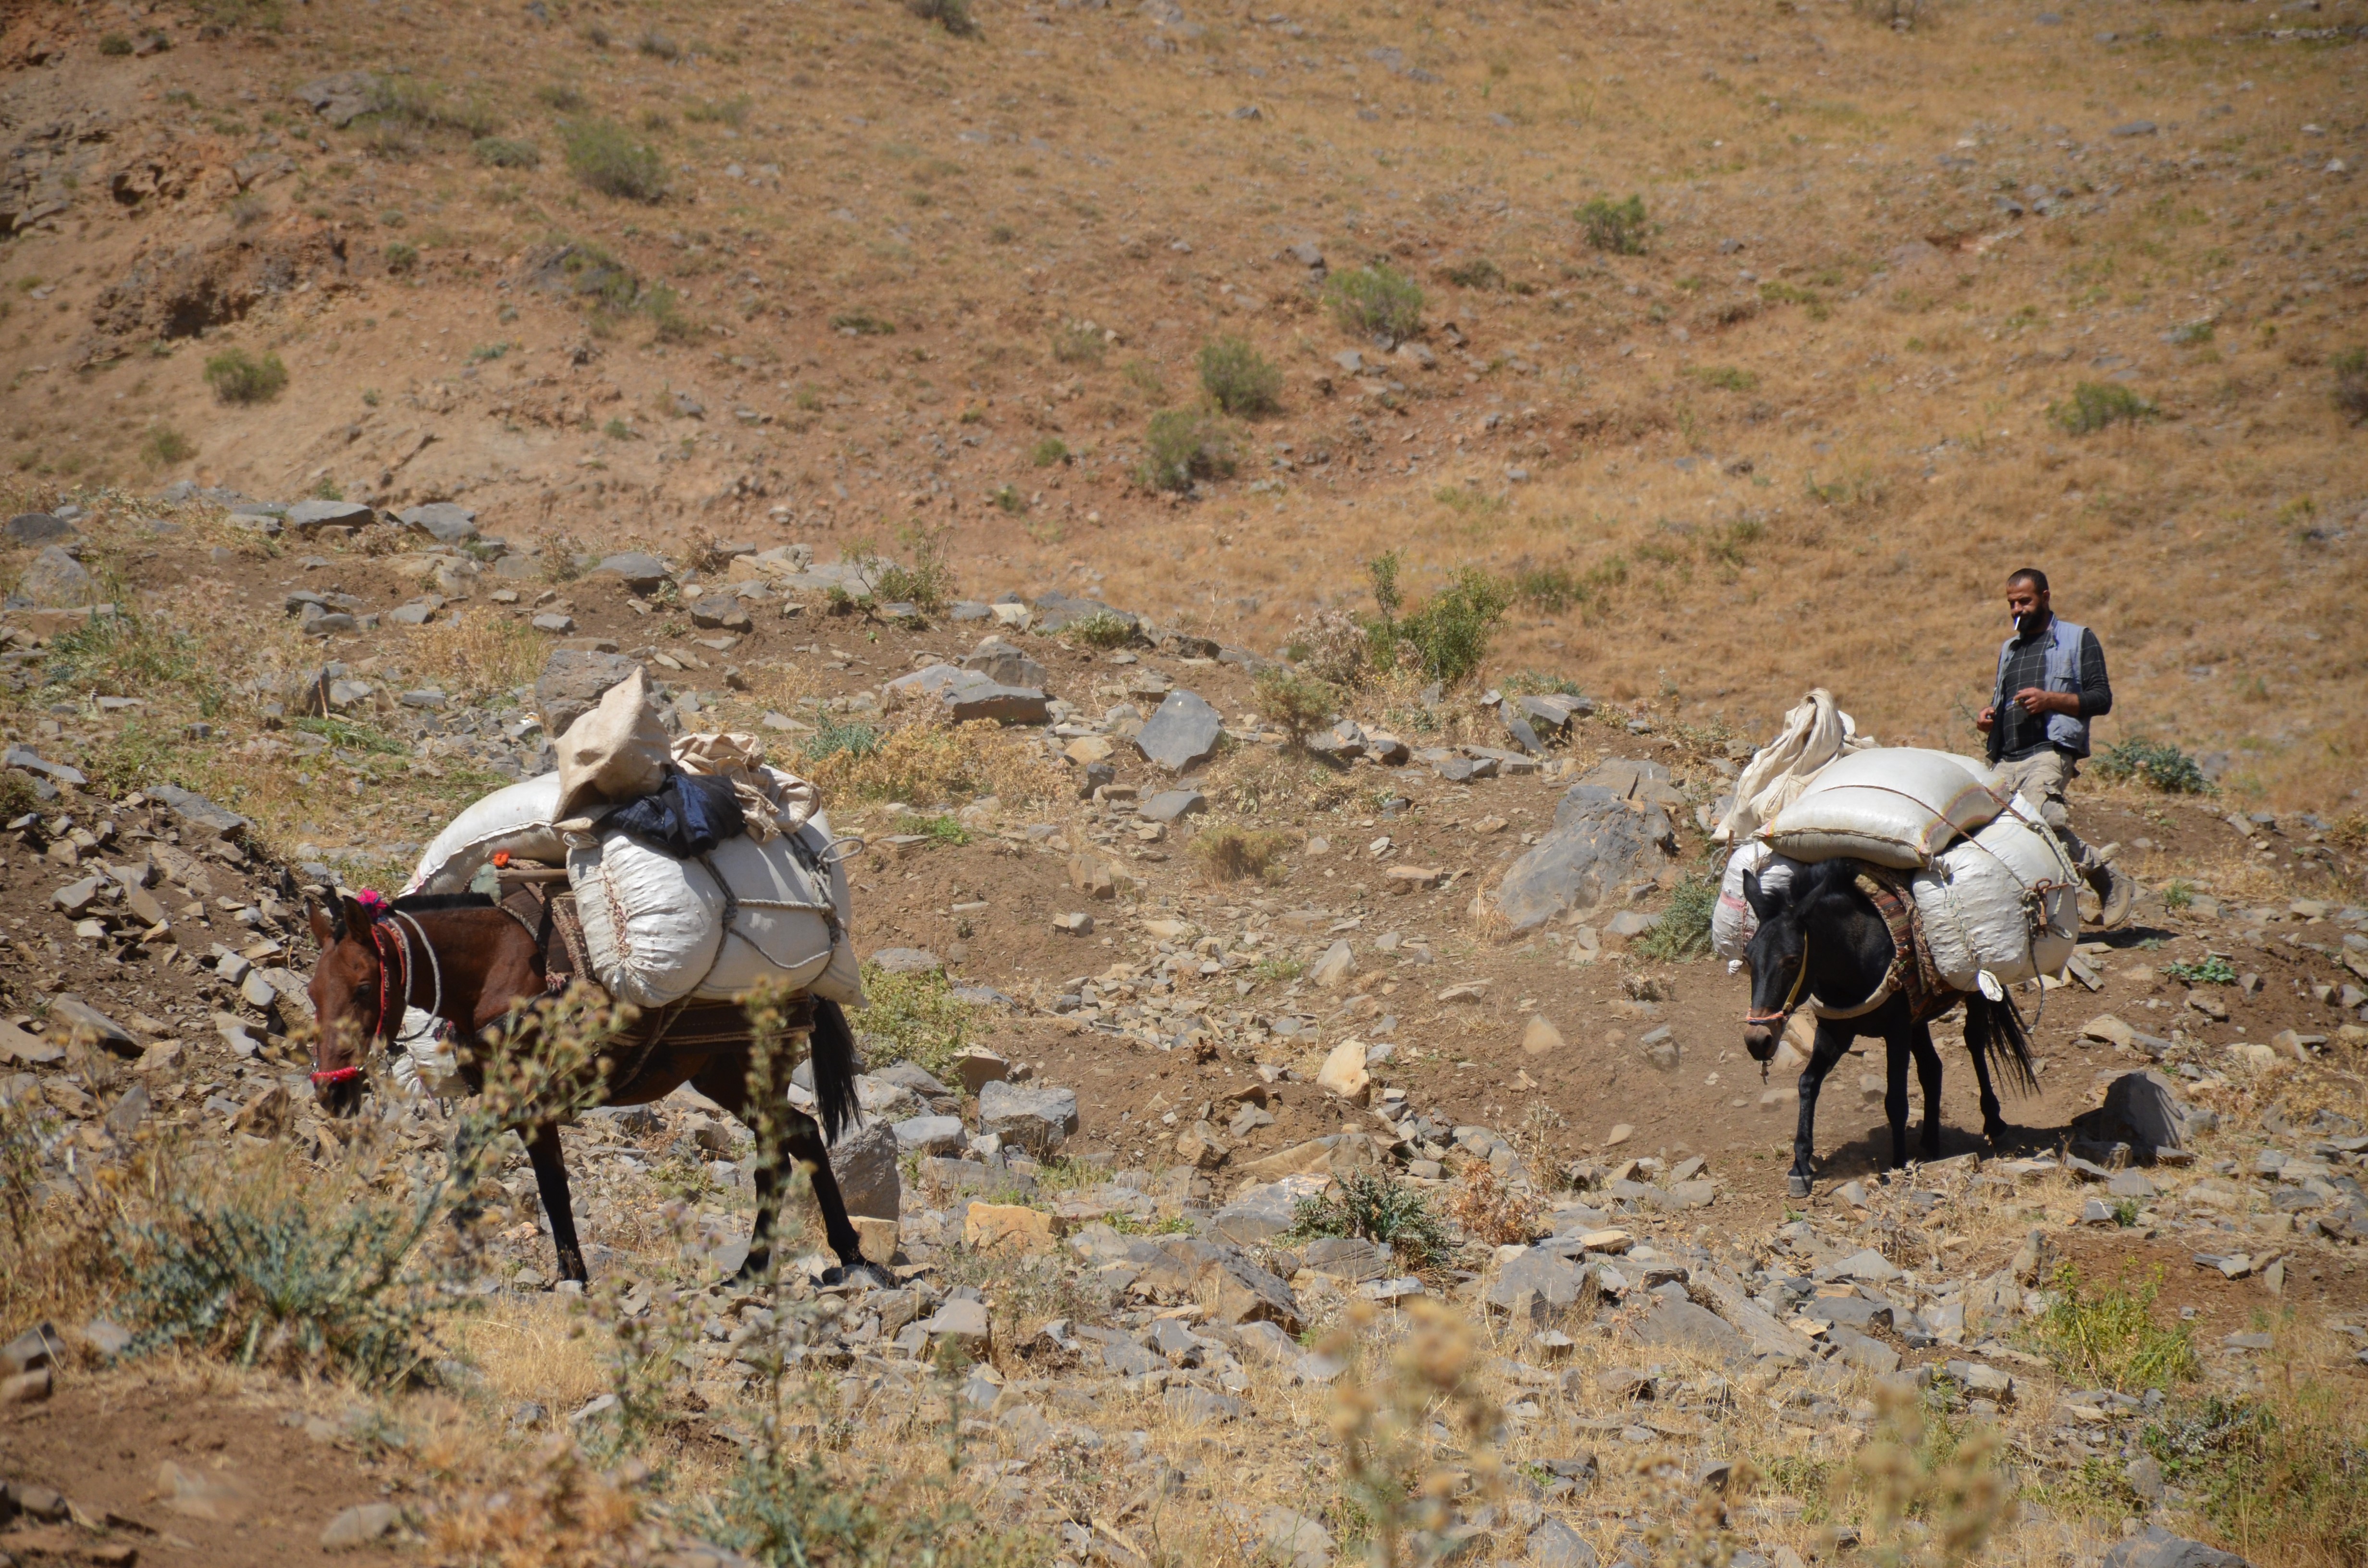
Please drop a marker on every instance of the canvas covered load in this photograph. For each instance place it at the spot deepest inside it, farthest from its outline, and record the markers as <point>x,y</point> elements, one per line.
<point>1731,922</point>
<point>1895,806</point>
<point>2006,900</point>
<point>521,820</point>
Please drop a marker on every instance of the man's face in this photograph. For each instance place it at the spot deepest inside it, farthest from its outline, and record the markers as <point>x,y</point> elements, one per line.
<point>2024,601</point>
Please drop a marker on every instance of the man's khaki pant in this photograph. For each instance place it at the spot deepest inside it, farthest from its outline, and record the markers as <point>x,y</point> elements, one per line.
<point>2043,777</point>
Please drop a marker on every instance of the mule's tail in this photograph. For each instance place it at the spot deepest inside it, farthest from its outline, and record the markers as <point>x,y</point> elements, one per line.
<point>832,1051</point>
<point>1989,1024</point>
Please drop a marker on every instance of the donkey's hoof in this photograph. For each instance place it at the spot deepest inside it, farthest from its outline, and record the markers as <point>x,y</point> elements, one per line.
<point>1796,1186</point>
<point>862,1271</point>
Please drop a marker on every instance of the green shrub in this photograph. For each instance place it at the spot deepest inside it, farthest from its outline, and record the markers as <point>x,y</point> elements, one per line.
<point>929,581</point>
<point>2163,765</point>
<point>1448,637</point>
<point>1048,451</point>
<point>659,46</point>
<point>1684,931</point>
<point>2282,1476</point>
<point>1099,630</point>
<point>913,1016</point>
<point>2178,894</point>
<point>1614,226</point>
<point>605,157</point>
<point>163,446</point>
<point>503,152</point>
<point>2096,405</point>
<point>1300,704</point>
<point>1182,446</point>
<point>114,44</point>
<point>1008,499</point>
<point>2351,392</point>
<point>1239,379</point>
<point>669,321</point>
<point>733,112</point>
<point>2109,1339</point>
<point>1377,301</point>
<point>2209,969</point>
<point>1077,343</point>
<point>952,15</point>
<point>402,259</point>
<point>834,737</point>
<point>1375,1206</point>
<point>565,97</point>
<point>1478,273</point>
<point>1726,377</point>
<point>237,376</point>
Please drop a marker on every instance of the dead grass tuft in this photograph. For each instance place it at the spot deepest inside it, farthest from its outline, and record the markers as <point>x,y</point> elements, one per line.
<point>1227,852</point>
<point>926,763</point>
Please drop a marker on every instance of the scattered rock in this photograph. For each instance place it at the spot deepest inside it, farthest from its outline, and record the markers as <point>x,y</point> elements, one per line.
<point>639,570</point>
<point>56,581</point>
<point>1181,733</point>
<point>78,1017</point>
<point>1036,1119</point>
<point>1539,1037</point>
<point>1332,970</point>
<point>1598,842</point>
<point>572,682</point>
<point>361,1525</point>
<point>1343,1073</point>
<point>2155,1546</point>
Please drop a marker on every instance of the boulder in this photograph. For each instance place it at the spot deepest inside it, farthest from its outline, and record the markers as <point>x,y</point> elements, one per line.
<point>1599,843</point>
<point>1633,779</point>
<point>1344,1073</point>
<point>1683,1325</point>
<point>2143,1110</point>
<point>37,528</point>
<point>1554,1544</point>
<point>639,570</point>
<point>1170,805</point>
<point>1538,1286</point>
<point>56,581</point>
<point>1037,1119</point>
<point>864,1162</point>
<point>446,522</point>
<point>2155,1546</point>
<point>306,516</point>
<point>1332,970</point>
<point>1181,733</point>
<point>196,814</point>
<point>1005,665</point>
<point>76,1016</point>
<point>572,684</point>
<point>1003,704</point>
<point>342,98</point>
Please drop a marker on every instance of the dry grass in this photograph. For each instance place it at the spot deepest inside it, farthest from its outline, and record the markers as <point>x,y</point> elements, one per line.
<point>1227,852</point>
<point>475,654</point>
<point>932,764</point>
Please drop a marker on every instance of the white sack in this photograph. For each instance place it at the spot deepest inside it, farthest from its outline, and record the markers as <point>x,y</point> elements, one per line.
<point>1895,806</point>
<point>2006,899</point>
<point>652,925</point>
<point>516,819</point>
<point>1732,923</point>
<point>1813,734</point>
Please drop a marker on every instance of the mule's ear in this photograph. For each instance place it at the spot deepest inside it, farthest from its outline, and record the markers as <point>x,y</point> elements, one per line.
<point>356,920</point>
<point>324,930</point>
<point>1762,904</point>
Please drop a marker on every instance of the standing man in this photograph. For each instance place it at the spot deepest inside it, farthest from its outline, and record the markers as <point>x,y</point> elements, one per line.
<point>2050,682</point>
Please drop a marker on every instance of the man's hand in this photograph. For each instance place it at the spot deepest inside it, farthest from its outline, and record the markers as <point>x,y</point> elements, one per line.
<point>2037,701</point>
<point>1985,719</point>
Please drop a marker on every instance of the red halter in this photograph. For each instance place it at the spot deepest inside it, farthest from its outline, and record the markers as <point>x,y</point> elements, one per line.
<point>390,1016</point>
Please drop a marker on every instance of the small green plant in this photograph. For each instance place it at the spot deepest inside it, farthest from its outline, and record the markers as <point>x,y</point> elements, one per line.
<point>659,46</point>
<point>1449,636</point>
<point>402,259</point>
<point>1182,446</point>
<point>1143,377</point>
<point>2160,764</point>
<point>1614,226</point>
<point>1050,450</point>
<point>929,581</point>
<point>2125,1212</point>
<point>952,15</point>
<point>1684,930</point>
<point>833,737</point>
<point>1377,301</point>
<point>912,1016</point>
<point>505,152</point>
<point>604,156</point>
<point>238,377</point>
<point>2178,894</point>
<point>1478,273</point>
<point>1239,379</point>
<point>1009,499</point>
<point>1375,1206</point>
<point>944,829</point>
<point>114,44</point>
<point>2350,390</point>
<point>1300,704</point>
<point>1078,343</point>
<point>731,111</point>
<point>2209,969</point>
<point>862,324</point>
<point>617,430</point>
<point>163,446</point>
<point>1727,377</point>
<point>2096,405</point>
<point>483,352</point>
<point>369,397</point>
<point>565,97</point>
<point>2282,1476</point>
<point>1101,629</point>
<point>669,323</point>
<point>2108,1339</point>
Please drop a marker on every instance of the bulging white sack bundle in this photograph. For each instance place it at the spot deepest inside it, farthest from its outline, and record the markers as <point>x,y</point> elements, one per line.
<point>2006,899</point>
<point>517,819</point>
<point>1895,806</point>
<point>1732,923</point>
<point>653,926</point>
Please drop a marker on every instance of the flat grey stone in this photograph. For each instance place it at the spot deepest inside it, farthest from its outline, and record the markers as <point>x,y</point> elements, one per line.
<point>572,684</point>
<point>1257,1214</point>
<point>907,961</point>
<point>1005,665</point>
<point>1598,844</point>
<point>2156,1548</point>
<point>641,571</point>
<point>1199,1407</point>
<point>196,813</point>
<point>1181,733</point>
<point>1002,704</point>
<point>1554,1544</point>
<point>864,1161</point>
<point>447,522</point>
<point>1852,1312</point>
<point>1550,1286</point>
<point>1680,1322</point>
<point>37,528</point>
<point>56,581</point>
<point>33,761</point>
<point>1169,805</point>
<point>340,98</point>
<point>76,1016</point>
<point>931,1135</point>
<point>361,1525</point>
<point>308,514</point>
<point>1037,1119</point>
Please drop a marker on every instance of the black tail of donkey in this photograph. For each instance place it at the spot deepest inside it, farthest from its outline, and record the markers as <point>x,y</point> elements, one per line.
<point>1989,1023</point>
<point>832,1051</point>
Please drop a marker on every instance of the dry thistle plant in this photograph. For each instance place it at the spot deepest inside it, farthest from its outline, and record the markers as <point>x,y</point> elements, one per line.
<point>1491,1212</point>
<point>1934,1496</point>
<point>1692,1527</point>
<point>1401,1480</point>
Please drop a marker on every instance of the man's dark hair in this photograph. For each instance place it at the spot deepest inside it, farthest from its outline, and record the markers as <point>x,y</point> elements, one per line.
<point>2031,575</point>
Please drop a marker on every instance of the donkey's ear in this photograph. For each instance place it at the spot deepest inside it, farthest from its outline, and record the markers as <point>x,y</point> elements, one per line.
<point>325,929</point>
<point>1763,904</point>
<point>355,919</point>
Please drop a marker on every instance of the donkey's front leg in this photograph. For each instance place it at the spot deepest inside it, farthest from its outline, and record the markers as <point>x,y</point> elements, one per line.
<point>1831,1043</point>
<point>550,1181</point>
<point>1895,1093</point>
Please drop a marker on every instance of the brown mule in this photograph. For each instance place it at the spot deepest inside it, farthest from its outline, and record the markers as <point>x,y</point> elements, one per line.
<point>468,960</point>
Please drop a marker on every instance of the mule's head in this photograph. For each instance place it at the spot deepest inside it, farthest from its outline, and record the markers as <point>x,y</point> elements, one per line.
<point>345,991</point>
<point>1778,958</point>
